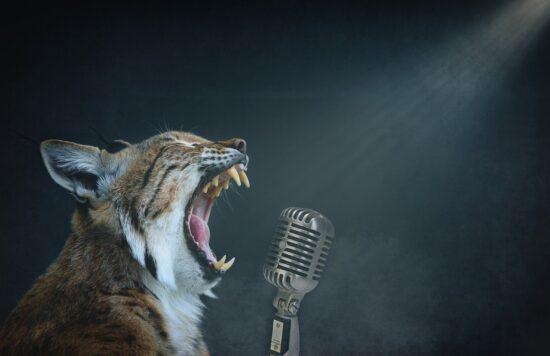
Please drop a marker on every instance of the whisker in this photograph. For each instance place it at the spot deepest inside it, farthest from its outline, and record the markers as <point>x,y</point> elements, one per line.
<point>236,190</point>
<point>226,200</point>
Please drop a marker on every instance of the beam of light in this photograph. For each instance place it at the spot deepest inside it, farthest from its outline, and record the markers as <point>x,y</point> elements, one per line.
<point>445,85</point>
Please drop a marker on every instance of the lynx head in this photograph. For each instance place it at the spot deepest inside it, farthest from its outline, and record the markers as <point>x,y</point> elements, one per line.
<point>158,194</point>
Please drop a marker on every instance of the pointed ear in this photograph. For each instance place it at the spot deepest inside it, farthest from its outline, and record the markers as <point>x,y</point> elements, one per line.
<point>75,167</point>
<point>117,146</point>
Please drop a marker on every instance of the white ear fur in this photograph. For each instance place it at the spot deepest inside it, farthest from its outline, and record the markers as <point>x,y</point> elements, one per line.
<point>75,167</point>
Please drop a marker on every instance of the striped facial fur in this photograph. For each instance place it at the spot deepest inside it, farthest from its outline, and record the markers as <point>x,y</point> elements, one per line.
<point>159,195</point>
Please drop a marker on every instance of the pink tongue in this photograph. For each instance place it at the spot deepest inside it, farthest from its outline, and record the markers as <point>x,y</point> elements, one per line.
<point>201,234</point>
<point>199,229</point>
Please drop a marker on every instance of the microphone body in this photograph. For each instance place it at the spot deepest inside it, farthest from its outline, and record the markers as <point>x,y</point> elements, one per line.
<point>295,261</point>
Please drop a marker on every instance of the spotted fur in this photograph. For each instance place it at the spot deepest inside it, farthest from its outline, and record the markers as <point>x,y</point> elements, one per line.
<point>129,279</point>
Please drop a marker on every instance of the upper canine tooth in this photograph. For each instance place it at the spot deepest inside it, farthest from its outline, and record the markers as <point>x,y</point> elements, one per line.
<point>226,184</point>
<point>205,189</point>
<point>244,179</point>
<point>227,265</point>
<point>218,264</point>
<point>233,174</point>
<point>215,181</point>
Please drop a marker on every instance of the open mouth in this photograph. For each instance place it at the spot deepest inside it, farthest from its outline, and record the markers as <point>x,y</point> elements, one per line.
<point>197,215</point>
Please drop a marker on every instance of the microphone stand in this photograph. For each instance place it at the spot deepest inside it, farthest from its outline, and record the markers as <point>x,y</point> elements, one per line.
<point>285,335</point>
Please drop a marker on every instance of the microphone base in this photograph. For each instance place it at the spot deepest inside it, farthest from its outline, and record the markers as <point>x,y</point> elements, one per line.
<point>285,335</point>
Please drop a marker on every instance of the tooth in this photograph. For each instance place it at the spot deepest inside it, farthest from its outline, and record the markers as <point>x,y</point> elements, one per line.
<point>218,264</point>
<point>233,174</point>
<point>226,184</point>
<point>218,191</point>
<point>215,181</point>
<point>205,189</point>
<point>244,179</point>
<point>227,265</point>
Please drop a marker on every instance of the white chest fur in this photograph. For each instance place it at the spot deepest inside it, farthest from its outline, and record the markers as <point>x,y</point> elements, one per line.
<point>182,312</point>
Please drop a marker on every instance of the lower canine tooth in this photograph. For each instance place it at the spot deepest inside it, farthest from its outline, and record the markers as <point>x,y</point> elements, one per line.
<point>228,264</point>
<point>233,174</point>
<point>215,181</point>
<point>205,189</point>
<point>219,264</point>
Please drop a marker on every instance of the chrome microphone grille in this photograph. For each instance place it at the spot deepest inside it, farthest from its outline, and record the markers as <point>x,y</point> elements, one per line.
<point>298,251</point>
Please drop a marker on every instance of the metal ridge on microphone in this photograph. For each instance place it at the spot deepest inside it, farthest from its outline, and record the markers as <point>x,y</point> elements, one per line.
<point>299,248</point>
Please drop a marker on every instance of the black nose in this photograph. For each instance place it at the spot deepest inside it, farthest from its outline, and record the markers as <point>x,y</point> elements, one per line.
<point>240,144</point>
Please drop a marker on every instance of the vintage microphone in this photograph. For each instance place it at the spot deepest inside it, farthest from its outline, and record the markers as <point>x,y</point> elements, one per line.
<point>294,264</point>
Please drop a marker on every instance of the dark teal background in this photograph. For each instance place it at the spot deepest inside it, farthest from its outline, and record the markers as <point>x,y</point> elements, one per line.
<point>439,193</point>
